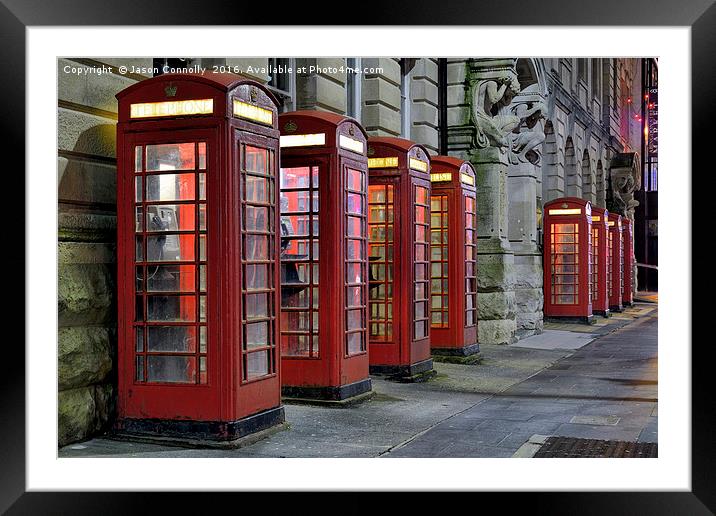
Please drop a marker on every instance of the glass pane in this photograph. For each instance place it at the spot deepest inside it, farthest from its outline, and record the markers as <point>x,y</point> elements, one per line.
<point>170,217</point>
<point>202,155</point>
<point>180,339</point>
<point>139,369</point>
<point>354,320</point>
<point>170,156</point>
<point>353,272</point>
<point>354,249</point>
<point>296,177</point>
<point>256,159</point>
<point>256,277</point>
<point>355,342</point>
<point>171,278</point>
<point>138,250</point>
<point>257,189</point>
<point>138,189</point>
<point>353,296</point>
<point>202,186</point>
<point>202,339</point>
<point>171,308</point>
<point>256,218</point>
<point>257,364</point>
<point>257,335</point>
<point>256,306</point>
<point>354,180</point>
<point>138,159</point>
<point>171,369</point>
<point>256,247</point>
<point>171,187</point>
<point>170,248</point>
<point>354,203</point>
<point>139,339</point>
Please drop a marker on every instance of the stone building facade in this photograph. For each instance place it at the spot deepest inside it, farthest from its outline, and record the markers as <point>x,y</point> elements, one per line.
<point>535,129</point>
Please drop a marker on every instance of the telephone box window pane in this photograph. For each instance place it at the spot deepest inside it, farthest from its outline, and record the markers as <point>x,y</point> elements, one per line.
<point>171,369</point>
<point>354,249</point>
<point>257,189</point>
<point>138,189</point>
<point>202,278</point>
<point>256,247</point>
<point>296,177</point>
<point>256,277</point>
<point>139,308</point>
<point>355,180</point>
<point>354,296</point>
<point>171,278</point>
<point>256,335</point>
<point>354,320</point>
<point>202,187</point>
<point>138,227</point>
<point>256,160</point>
<point>170,217</point>
<point>170,156</point>
<point>202,248</point>
<point>202,155</point>
<point>354,203</point>
<point>170,187</point>
<point>138,159</point>
<point>202,370</point>
<point>202,308</point>
<point>171,308</point>
<point>171,339</point>
<point>355,342</point>
<point>139,369</point>
<point>139,339</point>
<point>256,219</point>
<point>170,248</point>
<point>138,249</point>
<point>257,364</point>
<point>353,273</point>
<point>202,339</point>
<point>256,306</point>
<point>354,226</point>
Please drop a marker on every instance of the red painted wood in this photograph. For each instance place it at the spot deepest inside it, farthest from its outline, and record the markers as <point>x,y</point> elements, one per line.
<point>627,231</point>
<point>459,332</point>
<point>600,299</point>
<point>582,275</point>
<point>333,366</point>
<point>226,395</point>
<point>403,348</point>
<point>617,242</point>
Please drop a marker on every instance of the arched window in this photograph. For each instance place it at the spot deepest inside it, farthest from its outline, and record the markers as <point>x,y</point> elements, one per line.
<point>573,177</point>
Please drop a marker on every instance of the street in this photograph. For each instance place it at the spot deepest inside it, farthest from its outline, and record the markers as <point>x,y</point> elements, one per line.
<point>576,381</point>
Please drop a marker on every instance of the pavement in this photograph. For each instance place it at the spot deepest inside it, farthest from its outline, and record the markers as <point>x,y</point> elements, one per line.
<point>586,381</point>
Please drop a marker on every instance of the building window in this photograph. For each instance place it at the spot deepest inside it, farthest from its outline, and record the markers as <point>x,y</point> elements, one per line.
<point>282,81</point>
<point>406,65</point>
<point>582,70</point>
<point>353,88</point>
<point>596,78</point>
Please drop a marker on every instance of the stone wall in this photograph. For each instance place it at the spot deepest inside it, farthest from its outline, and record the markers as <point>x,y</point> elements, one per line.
<point>87,116</point>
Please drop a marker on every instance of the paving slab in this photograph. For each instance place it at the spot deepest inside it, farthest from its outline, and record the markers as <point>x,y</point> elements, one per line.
<point>556,339</point>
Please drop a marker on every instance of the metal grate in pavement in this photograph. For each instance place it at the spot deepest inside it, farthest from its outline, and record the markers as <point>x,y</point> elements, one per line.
<point>571,447</point>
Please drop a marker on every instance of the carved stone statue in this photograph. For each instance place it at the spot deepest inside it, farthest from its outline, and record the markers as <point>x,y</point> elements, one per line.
<point>528,135</point>
<point>625,178</point>
<point>493,90</point>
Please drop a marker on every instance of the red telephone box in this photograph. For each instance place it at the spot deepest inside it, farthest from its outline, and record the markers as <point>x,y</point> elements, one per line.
<point>324,286</point>
<point>197,258</point>
<point>600,261</point>
<point>567,260</point>
<point>399,259</point>
<point>453,257</point>
<point>628,253</point>
<point>616,237</point>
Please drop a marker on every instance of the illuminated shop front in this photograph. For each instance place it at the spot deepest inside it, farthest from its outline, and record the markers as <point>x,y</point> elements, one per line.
<point>567,259</point>
<point>399,258</point>
<point>616,238</point>
<point>197,258</point>
<point>453,257</point>
<point>600,261</point>
<point>324,248</point>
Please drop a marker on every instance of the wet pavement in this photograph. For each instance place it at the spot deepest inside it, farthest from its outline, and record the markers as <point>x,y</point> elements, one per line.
<point>590,381</point>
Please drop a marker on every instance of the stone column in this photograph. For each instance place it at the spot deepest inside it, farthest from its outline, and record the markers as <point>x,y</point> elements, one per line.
<point>493,84</point>
<point>523,175</point>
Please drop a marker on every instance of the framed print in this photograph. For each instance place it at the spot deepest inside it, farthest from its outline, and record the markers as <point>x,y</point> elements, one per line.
<point>436,262</point>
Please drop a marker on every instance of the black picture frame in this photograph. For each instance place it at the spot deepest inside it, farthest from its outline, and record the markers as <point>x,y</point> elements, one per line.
<point>700,15</point>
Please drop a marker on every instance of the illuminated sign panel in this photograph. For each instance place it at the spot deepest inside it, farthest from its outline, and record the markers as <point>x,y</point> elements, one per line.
<point>436,177</point>
<point>572,211</point>
<point>383,162</point>
<point>349,143</point>
<point>172,108</point>
<point>418,164</point>
<point>303,140</point>
<point>254,113</point>
<point>596,218</point>
<point>467,179</point>
<point>610,223</point>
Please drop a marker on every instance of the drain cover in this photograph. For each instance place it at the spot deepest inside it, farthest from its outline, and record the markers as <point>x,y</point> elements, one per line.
<point>571,447</point>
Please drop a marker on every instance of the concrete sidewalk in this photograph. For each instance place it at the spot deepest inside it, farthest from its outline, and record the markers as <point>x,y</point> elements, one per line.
<point>578,386</point>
